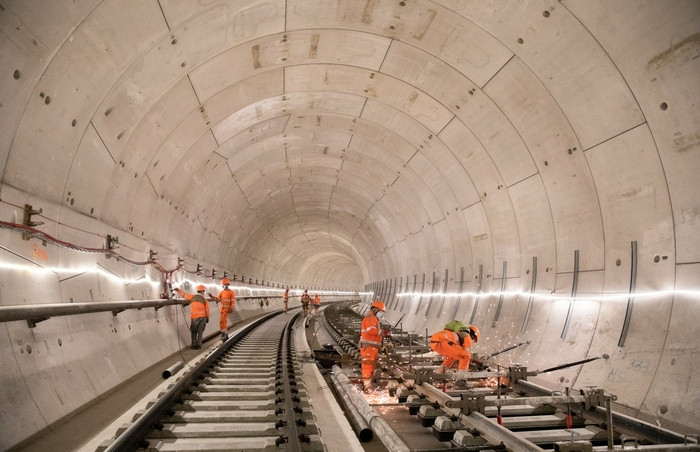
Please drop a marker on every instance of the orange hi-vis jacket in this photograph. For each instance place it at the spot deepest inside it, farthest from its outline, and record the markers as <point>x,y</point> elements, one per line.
<point>228,300</point>
<point>369,334</point>
<point>199,306</point>
<point>446,343</point>
<point>317,300</point>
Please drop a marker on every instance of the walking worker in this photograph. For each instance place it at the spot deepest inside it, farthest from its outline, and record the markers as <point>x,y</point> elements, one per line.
<point>227,297</point>
<point>454,343</point>
<point>305,300</point>
<point>317,303</point>
<point>199,314</point>
<point>285,299</point>
<point>370,342</point>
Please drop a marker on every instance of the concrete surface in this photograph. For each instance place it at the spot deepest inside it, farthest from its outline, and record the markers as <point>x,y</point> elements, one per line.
<point>401,148</point>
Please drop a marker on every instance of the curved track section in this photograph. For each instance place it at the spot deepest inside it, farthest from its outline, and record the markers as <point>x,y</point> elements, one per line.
<point>246,395</point>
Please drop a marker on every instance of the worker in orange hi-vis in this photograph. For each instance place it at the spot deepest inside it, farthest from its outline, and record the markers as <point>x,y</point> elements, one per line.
<point>227,298</point>
<point>305,300</point>
<point>199,314</point>
<point>454,343</point>
<point>317,304</point>
<point>370,342</point>
<point>285,299</point>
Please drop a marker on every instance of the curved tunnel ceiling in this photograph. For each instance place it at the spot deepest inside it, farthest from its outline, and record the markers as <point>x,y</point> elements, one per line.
<point>339,143</point>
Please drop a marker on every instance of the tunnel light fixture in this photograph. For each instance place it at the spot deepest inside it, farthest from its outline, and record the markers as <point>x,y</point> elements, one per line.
<point>622,296</point>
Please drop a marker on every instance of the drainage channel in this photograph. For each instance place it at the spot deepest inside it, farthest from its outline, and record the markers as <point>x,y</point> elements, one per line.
<point>246,395</point>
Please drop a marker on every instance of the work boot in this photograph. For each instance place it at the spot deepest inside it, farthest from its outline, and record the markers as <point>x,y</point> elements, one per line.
<point>367,384</point>
<point>224,336</point>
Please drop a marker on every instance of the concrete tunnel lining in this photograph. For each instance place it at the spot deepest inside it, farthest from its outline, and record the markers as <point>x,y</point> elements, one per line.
<point>352,145</point>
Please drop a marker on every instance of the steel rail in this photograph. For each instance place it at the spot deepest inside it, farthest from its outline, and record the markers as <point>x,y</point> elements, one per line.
<point>293,443</point>
<point>127,440</point>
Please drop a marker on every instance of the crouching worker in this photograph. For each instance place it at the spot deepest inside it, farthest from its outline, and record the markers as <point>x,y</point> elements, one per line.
<point>454,343</point>
<point>370,342</point>
<point>199,314</point>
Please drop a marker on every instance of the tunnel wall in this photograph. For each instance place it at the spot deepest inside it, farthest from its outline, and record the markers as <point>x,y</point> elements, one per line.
<point>65,363</point>
<point>652,372</point>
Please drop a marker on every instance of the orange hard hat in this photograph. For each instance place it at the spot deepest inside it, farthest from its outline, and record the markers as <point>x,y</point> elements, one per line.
<point>225,282</point>
<point>201,288</point>
<point>474,333</point>
<point>379,305</point>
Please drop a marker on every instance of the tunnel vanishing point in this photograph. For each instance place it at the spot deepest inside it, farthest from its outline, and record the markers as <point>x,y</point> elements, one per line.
<point>530,167</point>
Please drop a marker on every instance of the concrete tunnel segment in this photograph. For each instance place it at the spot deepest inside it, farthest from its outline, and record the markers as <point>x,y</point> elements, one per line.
<point>423,150</point>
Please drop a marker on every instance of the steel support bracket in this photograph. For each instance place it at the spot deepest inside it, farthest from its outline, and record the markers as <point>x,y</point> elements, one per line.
<point>593,397</point>
<point>421,376</point>
<point>32,322</point>
<point>469,403</point>
<point>518,373</point>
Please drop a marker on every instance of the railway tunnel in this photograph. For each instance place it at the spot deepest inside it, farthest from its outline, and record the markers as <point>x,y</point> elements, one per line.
<point>530,167</point>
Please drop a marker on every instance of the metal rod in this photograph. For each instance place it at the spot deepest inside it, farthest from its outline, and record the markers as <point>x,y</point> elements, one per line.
<point>500,297</point>
<point>608,409</point>
<point>172,370</point>
<point>383,431</point>
<point>507,349</point>
<point>533,285</point>
<point>574,290</point>
<point>497,433</point>
<point>478,291</point>
<point>630,300</point>
<point>575,363</point>
<point>357,422</point>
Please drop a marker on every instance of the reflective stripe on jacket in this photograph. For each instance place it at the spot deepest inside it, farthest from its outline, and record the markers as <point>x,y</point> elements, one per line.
<point>369,334</point>
<point>228,300</point>
<point>199,307</point>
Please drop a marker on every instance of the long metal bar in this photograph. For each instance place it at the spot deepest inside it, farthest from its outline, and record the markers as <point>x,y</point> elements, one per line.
<point>380,427</point>
<point>507,349</point>
<point>500,298</point>
<point>630,300</point>
<point>575,363</point>
<point>459,298</point>
<point>478,291</point>
<point>497,433</point>
<point>574,290</point>
<point>44,311</point>
<point>443,297</point>
<point>357,422</point>
<point>39,312</point>
<point>533,285</point>
<point>432,294</point>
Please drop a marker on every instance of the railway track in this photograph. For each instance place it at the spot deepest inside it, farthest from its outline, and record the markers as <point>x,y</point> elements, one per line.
<point>476,411</point>
<point>246,394</point>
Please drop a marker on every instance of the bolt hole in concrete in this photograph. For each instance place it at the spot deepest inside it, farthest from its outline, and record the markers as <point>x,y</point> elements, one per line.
<point>16,74</point>
<point>663,106</point>
<point>545,14</point>
<point>520,40</point>
<point>73,123</point>
<point>657,258</point>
